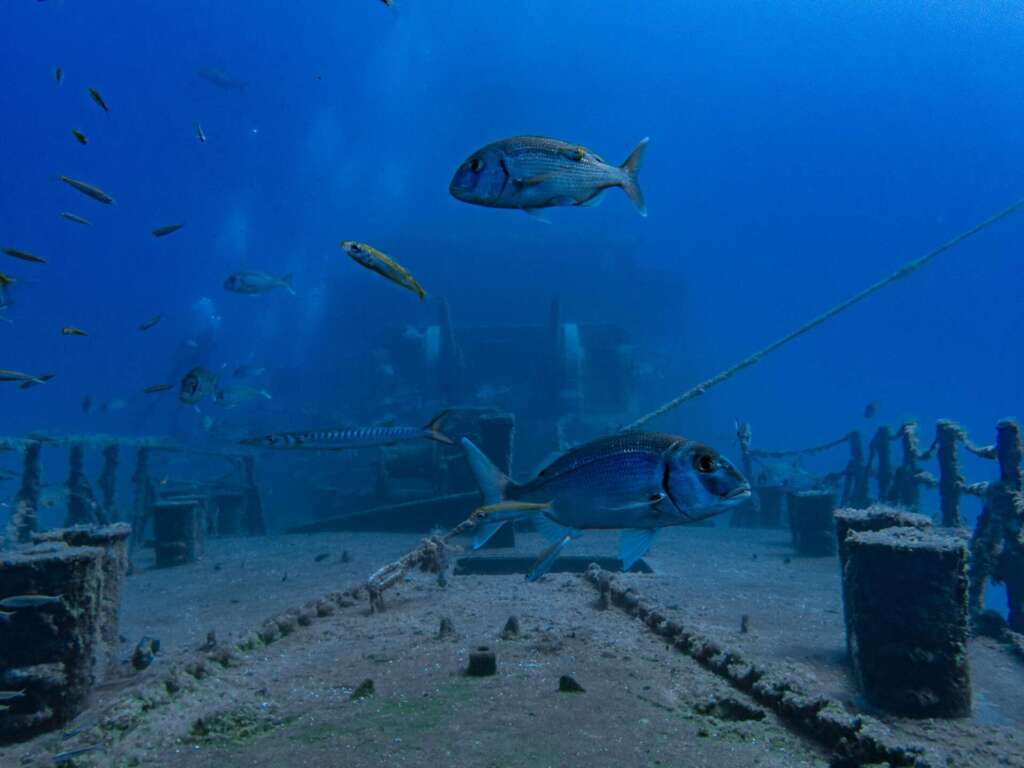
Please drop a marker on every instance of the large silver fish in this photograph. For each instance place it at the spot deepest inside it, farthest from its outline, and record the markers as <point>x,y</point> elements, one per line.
<point>532,172</point>
<point>636,481</point>
<point>346,439</point>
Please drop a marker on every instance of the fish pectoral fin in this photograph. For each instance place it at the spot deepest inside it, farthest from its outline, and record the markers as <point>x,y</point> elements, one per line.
<point>594,201</point>
<point>543,565</point>
<point>549,529</point>
<point>536,215</point>
<point>485,532</point>
<point>634,544</point>
<point>532,181</point>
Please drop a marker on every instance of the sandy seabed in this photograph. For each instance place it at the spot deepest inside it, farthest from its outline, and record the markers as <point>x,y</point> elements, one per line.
<point>289,703</point>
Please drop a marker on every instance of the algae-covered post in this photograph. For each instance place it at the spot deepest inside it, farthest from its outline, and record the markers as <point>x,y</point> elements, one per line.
<point>908,634</point>
<point>997,549</point>
<point>855,483</point>
<point>905,489</point>
<point>878,449</point>
<point>23,517</point>
<point>145,496</point>
<point>255,523</point>
<point>82,507</point>
<point>178,529</point>
<point>810,520</point>
<point>108,481</point>
<point>951,481</point>
<point>874,518</point>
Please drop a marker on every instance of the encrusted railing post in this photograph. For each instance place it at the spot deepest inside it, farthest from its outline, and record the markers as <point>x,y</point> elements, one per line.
<point>951,481</point>
<point>855,484</point>
<point>997,548</point>
<point>82,507</point>
<point>26,502</point>
<point>879,448</point>
<point>108,481</point>
<point>145,495</point>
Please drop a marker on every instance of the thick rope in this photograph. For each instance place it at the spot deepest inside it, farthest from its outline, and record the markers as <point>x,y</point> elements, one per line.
<point>899,274</point>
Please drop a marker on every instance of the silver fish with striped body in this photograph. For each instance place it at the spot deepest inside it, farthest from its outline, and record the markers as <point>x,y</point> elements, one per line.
<point>639,482</point>
<point>348,439</point>
<point>533,172</point>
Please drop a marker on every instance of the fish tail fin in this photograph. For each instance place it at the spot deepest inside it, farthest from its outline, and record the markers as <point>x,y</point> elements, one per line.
<point>286,283</point>
<point>419,291</point>
<point>493,486</point>
<point>434,428</point>
<point>631,184</point>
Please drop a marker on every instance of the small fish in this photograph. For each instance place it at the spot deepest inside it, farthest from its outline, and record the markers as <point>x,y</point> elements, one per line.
<point>195,385</point>
<point>26,379</point>
<point>80,137</point>
<point>346,439</point>
<point>234,396</point>
<point>58,75</point>
<point>72,331</point>
<point>150,323</point>
<point>11,695</point>
<point>164,231</point>
<point>510,506</point>
<point>30,601</point>
<point>253,283</point>
<point>248,371</point>
<point>383,265</point>
<point>533,172</point>
<point>71,734</point>
<point>870,409</point>
<point>157,388</point>
<point>16,253</point>
<point>321,557</point>
<point>6,280</point>
<point>88,190</point>
<point>75,218</point>
<point>221,79</point>
<point>199,134</point>
<point>61,758</point>
<point>98,99</point>
<point>635,481</point>
<point>86,404</point>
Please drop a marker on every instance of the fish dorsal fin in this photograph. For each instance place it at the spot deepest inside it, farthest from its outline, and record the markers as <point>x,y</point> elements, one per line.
<point>634,544</point>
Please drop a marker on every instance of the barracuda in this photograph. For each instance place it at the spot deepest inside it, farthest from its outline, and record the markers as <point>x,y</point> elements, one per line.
<point>347,439</point>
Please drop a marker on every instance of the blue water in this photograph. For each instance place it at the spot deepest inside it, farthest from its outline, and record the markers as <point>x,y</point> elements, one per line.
<point>799,151</point>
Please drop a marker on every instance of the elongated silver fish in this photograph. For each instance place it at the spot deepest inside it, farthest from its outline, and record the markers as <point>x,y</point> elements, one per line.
<point>11,695</point>
<point>382,264</point>
<point>221,79</point>
<point>88,190</point>
<point>75,218</point>
<point>533,172</point>
<point>635,481</point>
<point>29,601</point>
<point>165,231</point>
<point>254,283</point>
<point>347,439</point>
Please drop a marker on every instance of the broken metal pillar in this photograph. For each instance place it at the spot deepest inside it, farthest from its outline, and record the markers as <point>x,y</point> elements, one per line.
<point>810,520</point>
<point>879,450</point>
<point>49,648</point>
<point>905,489</point>
<point>178,529</point>
<point>907,620</point>
<point>855,483</point>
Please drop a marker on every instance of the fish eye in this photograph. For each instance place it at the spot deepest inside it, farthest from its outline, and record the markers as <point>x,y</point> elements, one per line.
<point>355,248</point>
<point>704,463</point>
<point>475,165</point>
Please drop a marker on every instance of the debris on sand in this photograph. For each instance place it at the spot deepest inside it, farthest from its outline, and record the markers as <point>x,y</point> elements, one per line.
<point>511,630</point>
<point>364,691</point>
<point>568,684</point>
<point>447,630</point>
